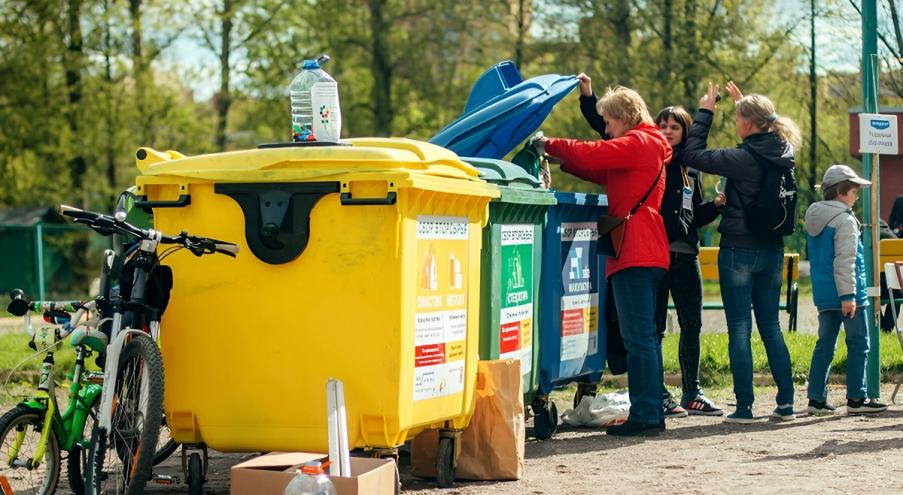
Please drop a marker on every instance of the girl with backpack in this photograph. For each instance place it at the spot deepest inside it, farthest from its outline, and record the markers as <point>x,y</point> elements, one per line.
<point>750,262</point>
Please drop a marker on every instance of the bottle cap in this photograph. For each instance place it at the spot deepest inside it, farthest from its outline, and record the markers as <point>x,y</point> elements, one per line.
<point>314,467</point>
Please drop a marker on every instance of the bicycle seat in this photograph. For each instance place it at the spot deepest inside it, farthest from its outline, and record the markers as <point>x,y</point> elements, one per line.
<point>93,339</point>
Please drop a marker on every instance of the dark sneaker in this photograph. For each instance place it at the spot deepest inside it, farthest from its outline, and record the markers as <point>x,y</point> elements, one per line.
<point>784,412</point>
<point>634,429</point>
<point>740,416</point>
<point>672,409</point>
<point>862,406</point>
<point>820,408</point>
<point>702,406</point>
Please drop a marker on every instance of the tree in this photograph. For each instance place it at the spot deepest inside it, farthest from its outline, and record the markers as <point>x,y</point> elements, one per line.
<point>235,23</point>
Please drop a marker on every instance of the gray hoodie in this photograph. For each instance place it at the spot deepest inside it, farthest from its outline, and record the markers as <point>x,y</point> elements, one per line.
<point>839,217</point>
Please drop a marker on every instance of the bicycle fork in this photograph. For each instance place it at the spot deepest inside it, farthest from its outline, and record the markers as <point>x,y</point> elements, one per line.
<point>111,370</point>
<point>45,392</point>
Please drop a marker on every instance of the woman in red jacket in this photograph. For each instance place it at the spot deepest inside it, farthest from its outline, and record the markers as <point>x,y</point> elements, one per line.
<point>630,164</point>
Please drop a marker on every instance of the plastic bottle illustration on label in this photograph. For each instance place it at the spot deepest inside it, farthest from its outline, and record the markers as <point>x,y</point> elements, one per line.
<point>430,272</point>
<point>456,277</point>
<point>516,280</point>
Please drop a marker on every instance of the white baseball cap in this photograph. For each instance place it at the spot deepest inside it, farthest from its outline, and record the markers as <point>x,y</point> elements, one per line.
<point>839,173</point>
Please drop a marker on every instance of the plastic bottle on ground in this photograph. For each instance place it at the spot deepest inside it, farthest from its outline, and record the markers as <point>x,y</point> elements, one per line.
<point>314,96</point>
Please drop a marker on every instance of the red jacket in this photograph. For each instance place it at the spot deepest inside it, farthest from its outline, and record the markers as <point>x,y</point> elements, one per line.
<point>628,165</point>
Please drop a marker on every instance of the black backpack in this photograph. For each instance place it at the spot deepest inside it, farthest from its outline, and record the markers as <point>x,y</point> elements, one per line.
<point>773,211</point>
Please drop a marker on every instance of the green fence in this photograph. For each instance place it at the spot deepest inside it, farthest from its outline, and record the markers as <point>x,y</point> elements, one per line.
<point>49,261</point>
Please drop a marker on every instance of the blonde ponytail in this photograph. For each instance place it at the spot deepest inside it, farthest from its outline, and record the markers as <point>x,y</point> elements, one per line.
<point>759,110</point>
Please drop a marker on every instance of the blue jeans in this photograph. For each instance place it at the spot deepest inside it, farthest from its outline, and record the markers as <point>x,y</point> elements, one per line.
<point>857,338</point>
<point>634,291</point>
<point>751,278</point>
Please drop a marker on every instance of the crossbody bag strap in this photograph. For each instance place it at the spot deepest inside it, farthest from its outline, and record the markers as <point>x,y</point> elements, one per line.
<point>646,196</point>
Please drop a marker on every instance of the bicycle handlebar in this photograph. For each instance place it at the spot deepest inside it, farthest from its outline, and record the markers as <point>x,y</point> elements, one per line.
<point>107,225</point>
<point>19,306</point>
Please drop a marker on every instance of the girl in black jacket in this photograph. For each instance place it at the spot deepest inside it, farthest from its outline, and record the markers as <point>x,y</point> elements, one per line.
<point>749,265</point>
<point>683,213</point>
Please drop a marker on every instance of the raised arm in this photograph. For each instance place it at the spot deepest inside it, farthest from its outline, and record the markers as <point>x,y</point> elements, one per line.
<point>733,163</point>
<point>588,105</point>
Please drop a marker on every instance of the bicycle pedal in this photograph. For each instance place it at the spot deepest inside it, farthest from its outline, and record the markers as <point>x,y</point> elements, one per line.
<point>164,479</point>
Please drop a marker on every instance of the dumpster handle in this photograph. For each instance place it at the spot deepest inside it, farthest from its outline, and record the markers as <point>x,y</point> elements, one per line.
<point>184,200</point>
<point>347,200</point>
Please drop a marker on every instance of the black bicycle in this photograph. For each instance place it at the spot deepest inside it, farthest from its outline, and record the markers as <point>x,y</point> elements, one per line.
<point>124,438</point>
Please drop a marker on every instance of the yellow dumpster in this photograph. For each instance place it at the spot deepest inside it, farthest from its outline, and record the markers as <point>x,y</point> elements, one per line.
<point>358,262</point>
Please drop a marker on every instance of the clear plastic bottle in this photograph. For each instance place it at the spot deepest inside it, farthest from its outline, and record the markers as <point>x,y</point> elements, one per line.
<point>314,96</point>
<point>310,480</point>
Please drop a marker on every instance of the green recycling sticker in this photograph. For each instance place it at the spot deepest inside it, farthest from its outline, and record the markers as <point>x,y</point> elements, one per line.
<point>516,319</point>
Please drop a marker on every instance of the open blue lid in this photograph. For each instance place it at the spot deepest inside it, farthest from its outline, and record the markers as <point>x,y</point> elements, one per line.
<point>502,111</point>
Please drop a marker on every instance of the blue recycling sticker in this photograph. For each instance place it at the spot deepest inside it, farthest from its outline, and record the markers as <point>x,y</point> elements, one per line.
<point>879,124</point>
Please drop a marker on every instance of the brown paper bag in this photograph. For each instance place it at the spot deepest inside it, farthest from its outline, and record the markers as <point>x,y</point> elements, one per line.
<point>492,446</point>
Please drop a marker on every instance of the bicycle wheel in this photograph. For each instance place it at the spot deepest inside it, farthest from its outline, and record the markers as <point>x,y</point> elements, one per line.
<point>165,444</point>
<point>120,461</point>
<point>23,477</point>
<point>77,463</point>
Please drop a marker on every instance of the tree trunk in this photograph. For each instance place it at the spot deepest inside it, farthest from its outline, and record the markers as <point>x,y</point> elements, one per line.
<point>110,107</point>
<point>523,11</point>
<point>690,66</point>
<point>73,61</point>
<point>223,97</point>
<point>666,67</point>
<point>139,72</point>
<point>381,67</point>
<point>620,21</point>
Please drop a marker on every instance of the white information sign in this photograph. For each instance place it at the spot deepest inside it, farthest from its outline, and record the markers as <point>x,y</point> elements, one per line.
<point>878,134</point>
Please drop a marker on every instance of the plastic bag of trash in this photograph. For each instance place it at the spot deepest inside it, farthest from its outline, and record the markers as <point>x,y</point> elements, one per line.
<point>599,411</point>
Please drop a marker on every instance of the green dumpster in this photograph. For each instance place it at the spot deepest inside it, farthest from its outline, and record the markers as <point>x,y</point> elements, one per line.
<point>511,261</point>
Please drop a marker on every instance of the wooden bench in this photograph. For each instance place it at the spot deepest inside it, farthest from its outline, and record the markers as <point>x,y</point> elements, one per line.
<point>889,251</point>
<point>708,267</point>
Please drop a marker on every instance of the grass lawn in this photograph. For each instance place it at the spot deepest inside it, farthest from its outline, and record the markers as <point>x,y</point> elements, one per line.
<point>715,363</point>
<point>23,379</point>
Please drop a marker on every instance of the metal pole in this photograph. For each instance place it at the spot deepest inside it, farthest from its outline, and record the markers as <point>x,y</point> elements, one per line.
<point>869,165</point>
<point>39,250</point>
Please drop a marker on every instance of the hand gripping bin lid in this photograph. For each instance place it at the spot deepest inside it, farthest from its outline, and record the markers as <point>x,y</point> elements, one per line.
<point>512,260</point>
<point>359,263</point>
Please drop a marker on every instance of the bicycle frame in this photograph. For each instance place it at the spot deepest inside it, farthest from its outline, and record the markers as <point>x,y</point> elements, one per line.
<point>69,426</point>
<point>119,335</point>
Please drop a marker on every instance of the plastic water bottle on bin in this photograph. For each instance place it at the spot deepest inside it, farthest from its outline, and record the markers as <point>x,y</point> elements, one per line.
<point>314,95</point>
<point>310,480</point>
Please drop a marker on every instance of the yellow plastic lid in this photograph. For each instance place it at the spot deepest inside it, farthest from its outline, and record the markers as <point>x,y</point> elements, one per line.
<point>289,164</point>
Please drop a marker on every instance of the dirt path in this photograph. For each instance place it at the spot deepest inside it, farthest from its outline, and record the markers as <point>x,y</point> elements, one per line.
<point>839,454</point>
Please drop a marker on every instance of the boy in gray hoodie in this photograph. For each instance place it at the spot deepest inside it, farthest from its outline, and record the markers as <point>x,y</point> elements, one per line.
<point>838,288</point>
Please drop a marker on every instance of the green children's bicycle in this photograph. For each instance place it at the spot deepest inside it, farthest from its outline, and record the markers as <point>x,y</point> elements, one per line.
<point>35,432</point>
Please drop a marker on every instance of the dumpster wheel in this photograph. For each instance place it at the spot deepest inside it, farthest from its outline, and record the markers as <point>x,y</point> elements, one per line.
<point>584,390</point>
<point>195,474</point>
<point>445,463</point>
<point>545,418</point>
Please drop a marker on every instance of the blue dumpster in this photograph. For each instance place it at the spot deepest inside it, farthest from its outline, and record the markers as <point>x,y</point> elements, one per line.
<point>572,291</point>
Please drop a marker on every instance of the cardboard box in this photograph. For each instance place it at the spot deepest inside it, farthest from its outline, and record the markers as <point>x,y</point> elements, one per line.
<point>270,473</point>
